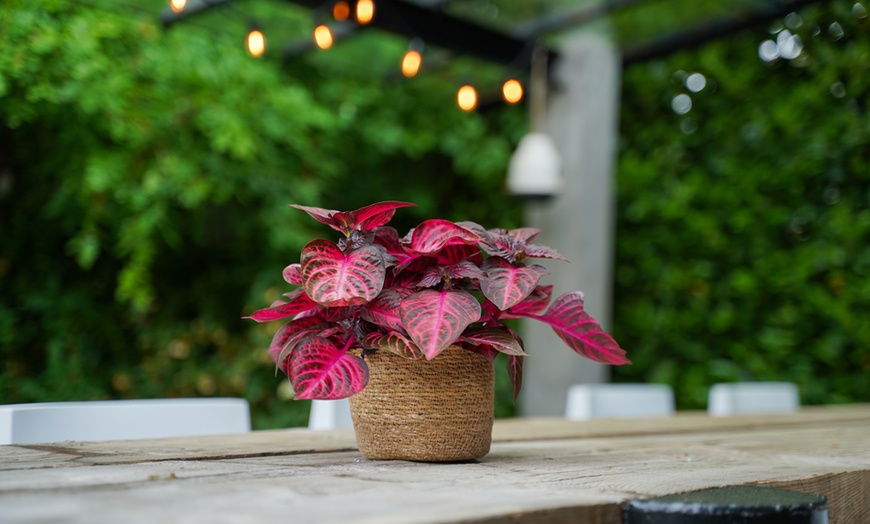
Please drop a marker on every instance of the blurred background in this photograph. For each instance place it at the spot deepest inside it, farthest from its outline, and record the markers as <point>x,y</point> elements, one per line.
<point>146,172</point>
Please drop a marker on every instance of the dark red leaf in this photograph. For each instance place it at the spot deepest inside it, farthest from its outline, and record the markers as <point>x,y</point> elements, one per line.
<point>291,334</point>
<point>280,309</point>
<point>432,235</point>
<point>515,372</point>
<point>487,351</point>
<point>374,215</point>
<point>324,216</point>
<point>537,251</point>
<point>384,310</point>
<point>367,217</point>
<point>534,304</point>
<point>524,234</point>
<point>499,339</point>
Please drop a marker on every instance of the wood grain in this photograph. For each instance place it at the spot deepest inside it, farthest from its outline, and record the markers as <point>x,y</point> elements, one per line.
<point>539,470</point>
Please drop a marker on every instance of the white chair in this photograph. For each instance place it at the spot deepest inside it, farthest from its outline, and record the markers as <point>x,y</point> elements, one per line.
<point>752,398</point>
<point>330,414</point>
<point>122,419</point>
<point>595,401</point>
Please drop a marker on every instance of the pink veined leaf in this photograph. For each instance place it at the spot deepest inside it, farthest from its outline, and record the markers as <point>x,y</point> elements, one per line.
<point>298,304</point>
<point>506,284</point>
<point>456,253</point>
<point>396,343</point>
<point>318,369</point>
<point>432,235</point>
<point>497,338</point>
<point>533,304</point>
<point>436,319</point>
<point>487,351</point>
<point>581,332</point>
<point>501,244</point>
<point>388,238</point>
<point>333,278</point>
<point>436,274</point>
<point>324,216</point>
<point>367,217</point>
<point>293,274</point>
<point>291,334</point>
<point>524,234</point>
<point>538,251</point>
<point>375,215</point>
<point>515,373</point>
<point>384,310</point>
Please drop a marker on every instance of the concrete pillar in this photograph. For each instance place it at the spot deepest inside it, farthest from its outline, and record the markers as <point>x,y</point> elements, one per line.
<point>582,118</point>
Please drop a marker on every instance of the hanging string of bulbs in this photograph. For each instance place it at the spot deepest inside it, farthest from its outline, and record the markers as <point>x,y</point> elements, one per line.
<point>363,12</point>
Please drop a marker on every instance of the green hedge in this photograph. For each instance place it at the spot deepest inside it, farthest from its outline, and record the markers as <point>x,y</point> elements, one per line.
<point>145,178</point>
<point>743,244</point>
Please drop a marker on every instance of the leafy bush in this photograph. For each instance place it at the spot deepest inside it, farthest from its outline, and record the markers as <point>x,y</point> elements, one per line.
<point>743,248</point>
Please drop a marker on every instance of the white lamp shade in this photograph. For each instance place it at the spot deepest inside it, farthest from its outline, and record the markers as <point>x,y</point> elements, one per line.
<point>535,168</point>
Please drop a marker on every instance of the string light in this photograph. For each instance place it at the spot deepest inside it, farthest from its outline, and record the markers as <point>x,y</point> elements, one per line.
<point>177,6</point>
<point>365,11</point>
<point>512,90</point>
<point>341,11</point>
<point>323,36</point>
<point>412,58</point>
<point>256,42</point>
<point>466,97</point>
<point>411,63</point>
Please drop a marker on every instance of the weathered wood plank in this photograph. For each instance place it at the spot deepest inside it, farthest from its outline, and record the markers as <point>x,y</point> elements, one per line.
<point>543,479</point>
<point>295,441</point>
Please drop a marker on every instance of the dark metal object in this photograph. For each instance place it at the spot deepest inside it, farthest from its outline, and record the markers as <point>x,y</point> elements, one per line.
<point>731,505</point>
<point>702,33</point>
<point>426,20</point>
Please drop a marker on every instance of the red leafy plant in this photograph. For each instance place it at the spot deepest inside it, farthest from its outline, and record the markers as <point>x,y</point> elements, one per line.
<point>442,284</point>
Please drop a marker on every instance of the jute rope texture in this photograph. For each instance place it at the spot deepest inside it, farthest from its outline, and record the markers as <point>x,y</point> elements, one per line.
<point>439,410</point>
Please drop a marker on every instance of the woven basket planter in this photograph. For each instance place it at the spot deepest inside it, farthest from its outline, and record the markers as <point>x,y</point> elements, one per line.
<point>439,410</point>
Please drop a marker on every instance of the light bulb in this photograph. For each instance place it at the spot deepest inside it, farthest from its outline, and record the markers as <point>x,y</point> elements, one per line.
<point>256,43</point>
<point>512,91</point>
<point>323,37</point>
<point>411,63</point>
<point>365,11</point>
<point>466,97</point>
<point>341,11</point>
<point>177,6</point>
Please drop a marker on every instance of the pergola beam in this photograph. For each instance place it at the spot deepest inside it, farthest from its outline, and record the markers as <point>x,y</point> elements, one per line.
<point>423,19</point>
<point>701,34</point>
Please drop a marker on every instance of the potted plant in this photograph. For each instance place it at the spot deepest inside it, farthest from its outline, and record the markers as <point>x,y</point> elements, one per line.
<point>408,327</point>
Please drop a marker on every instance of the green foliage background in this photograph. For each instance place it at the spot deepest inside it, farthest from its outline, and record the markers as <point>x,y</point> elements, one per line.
<point>743,249</point>
<point>145,176</point>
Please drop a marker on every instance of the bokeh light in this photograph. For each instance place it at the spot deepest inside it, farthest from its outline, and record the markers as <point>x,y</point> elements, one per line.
<point>365,11</point>
<point>341,11</point>
<point>323,37</point>
<point>681,104</point>
<point>256,43</point>
<point>411,63</point>
<point>177,6</point>
<point>466,97</point>
<point>512,90</point>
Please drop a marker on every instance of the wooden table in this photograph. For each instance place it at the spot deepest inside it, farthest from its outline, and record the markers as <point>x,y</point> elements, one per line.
<point>539,470</point>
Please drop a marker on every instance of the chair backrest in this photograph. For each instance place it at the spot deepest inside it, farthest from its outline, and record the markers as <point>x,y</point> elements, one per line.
<point>747,398</point>
<point>122,419</point>
<point>594,401</point>
<point>330,414</point>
